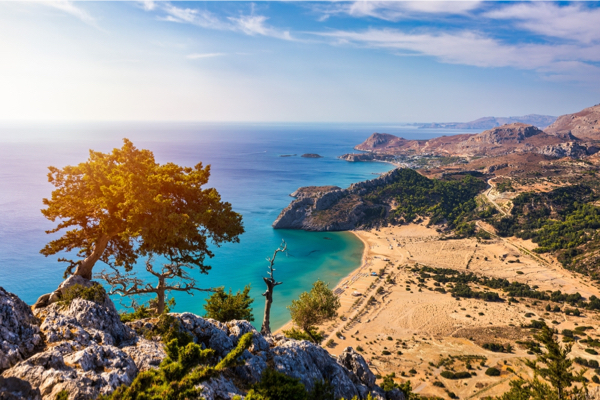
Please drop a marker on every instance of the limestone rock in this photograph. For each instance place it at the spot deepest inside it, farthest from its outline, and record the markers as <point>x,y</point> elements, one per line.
<point>19,331</point>
<point>17,389</point>
<point>146,354</point>
<point>84,374</point>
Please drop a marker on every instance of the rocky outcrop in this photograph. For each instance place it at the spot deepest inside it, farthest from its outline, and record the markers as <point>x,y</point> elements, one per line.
<point>331,210</point>
<point>88,352</point>
<point>311,155</point>
<point>569,149</point>
<point>19,330</point>
<point>584,125</point>
<point>82,353</point>
<point>55,296</point>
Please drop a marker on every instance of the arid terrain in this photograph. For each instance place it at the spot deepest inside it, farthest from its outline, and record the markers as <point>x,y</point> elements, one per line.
<point>424,330</point>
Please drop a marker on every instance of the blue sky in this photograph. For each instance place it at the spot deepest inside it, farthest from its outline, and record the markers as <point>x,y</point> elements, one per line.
<point>365,61</point>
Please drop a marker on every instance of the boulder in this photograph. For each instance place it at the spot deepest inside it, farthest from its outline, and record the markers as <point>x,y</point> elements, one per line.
<point>19,330</point>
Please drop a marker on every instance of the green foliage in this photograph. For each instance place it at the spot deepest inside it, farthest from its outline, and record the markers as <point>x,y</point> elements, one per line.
<point>314,308</point>
<point>455,375</point>
<point>123,205</point>
<point>275,385</point>
<point>443,201</point>
<point>144,311</point>
<point>492,371</point>
<point>62,395</point>
<point>95,293</point>
<point>321,390</point>
<point>497,348</point>
<point>561,221</point>
<point>225,307</point>
<point>179,374</point>
<point>315,336</point>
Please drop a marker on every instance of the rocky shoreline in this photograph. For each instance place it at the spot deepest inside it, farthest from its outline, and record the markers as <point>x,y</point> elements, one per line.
<point>85,349</point>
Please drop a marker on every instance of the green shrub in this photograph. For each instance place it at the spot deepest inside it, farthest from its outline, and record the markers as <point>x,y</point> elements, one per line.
<point>492,371</point>
<point>95,293</point>
<point>301,335</point>
<point>591,351</point>
<point>455,375</point>
<point>180,373</point>
<point>223,306</point>
<point>62,395</point>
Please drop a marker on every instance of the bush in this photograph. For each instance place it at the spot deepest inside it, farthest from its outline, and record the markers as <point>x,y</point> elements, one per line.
<point>95,293</point>
<point>223,306</point>
<point>492,371</point>
<point>359,348</point>
<point>591,351</point>
<point>62,395</point>
<point>301,335</point>
<point>595,379</point>
<point>455,375</point>
<point>330,343</point>
<point>180,372</point>
<point>438,384</point>
<point>275,385</point>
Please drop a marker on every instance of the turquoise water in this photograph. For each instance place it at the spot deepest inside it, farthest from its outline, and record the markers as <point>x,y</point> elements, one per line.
<point>246,169</point>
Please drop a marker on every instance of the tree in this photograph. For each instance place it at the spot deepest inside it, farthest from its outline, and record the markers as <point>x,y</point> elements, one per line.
<point>128,284</point>
<point>122,205</point>
<point>556,368</point>
<point>314,308</point>
<point>271,283</point>
<point>225,307</point>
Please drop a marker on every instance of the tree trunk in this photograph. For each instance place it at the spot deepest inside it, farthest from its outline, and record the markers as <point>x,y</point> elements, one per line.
<point>160,296</point>
<point>266,325</point>
<point>84,269</point>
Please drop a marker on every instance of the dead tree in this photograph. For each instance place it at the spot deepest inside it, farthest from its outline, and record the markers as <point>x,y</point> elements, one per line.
<point>128,284</point>
<point>271,283</point>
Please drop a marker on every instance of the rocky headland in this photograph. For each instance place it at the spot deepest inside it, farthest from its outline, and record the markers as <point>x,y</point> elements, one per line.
<point>329,208</point>
<point>84,348</point>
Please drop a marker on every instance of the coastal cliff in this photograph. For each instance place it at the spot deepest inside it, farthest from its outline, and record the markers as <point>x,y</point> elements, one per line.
<point>331,208</point>
<point>84,348</point>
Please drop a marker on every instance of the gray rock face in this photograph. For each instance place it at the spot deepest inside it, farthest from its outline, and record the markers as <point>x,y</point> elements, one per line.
<point>85,374</point>
<point>19,331</point>
<point>88,352</point>
<point>569,149</point>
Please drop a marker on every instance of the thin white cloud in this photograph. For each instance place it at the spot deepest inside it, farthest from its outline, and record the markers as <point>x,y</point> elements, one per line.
<point>396,10</point>
<point>196,56</point>
<point>248,24</point>
<point>574,22</point>
<point>70,8</point>
<point>255,25</point>
<point>470,48</point>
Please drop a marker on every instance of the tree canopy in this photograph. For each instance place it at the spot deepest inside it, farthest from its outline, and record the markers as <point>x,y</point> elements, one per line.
<point>118,206</point>
<point>314,307</point>
<point>224,306</point>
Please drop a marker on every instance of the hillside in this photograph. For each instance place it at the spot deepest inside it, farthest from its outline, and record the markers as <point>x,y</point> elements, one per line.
<point>584,124</point>
<point>399,196</point>
<point>541,121</point>
<point>506,139</point>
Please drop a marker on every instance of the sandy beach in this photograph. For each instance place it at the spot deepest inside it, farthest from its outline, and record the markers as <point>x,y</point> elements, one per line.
<point>404,326</point>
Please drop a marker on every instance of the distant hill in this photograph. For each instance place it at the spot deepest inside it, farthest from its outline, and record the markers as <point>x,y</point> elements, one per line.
<point>584,125</point>
<point>540,121</point>
<point>505,139</point>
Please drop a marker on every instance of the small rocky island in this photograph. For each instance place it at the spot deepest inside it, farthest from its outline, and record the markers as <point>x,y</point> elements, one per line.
<point>311,155</point>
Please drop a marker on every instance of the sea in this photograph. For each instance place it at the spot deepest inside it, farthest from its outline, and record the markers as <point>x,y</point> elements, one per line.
<point>247,169</point>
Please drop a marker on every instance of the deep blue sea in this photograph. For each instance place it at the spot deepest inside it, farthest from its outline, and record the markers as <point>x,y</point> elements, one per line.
<point>246,169</point>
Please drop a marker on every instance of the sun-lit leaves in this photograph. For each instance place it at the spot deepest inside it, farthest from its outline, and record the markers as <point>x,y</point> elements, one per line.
<point>122,205</point>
